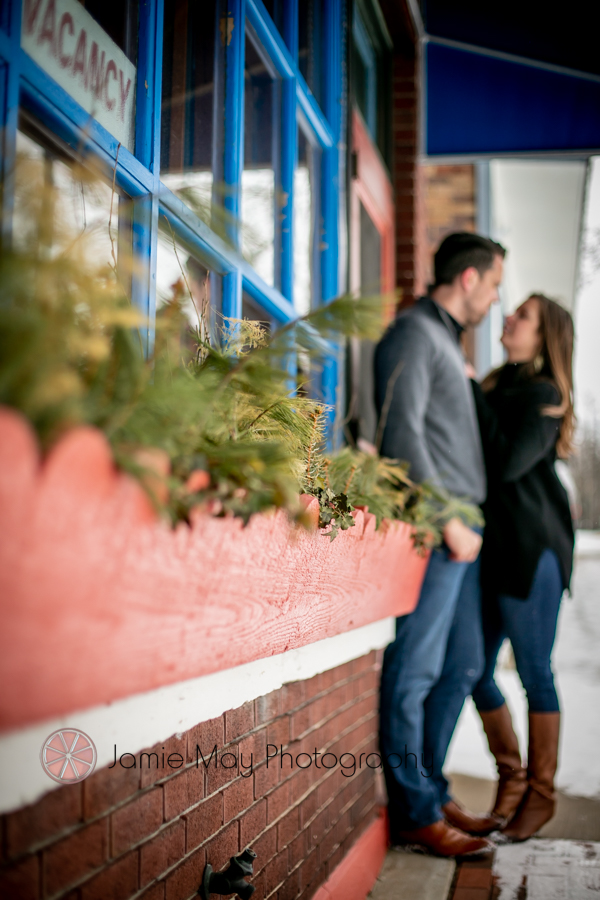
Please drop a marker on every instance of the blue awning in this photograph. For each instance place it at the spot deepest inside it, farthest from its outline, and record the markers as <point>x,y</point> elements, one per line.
<point>484,104</point>
<point>520,77</point>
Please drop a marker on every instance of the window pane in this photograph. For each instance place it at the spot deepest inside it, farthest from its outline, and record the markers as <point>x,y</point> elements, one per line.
<point>258,179</point>
<point>90,50</point>
<point>62,207</point>
<point>187,102</point>
<point>119,20</point>
<point>182,279</point>
<point>306,181</point>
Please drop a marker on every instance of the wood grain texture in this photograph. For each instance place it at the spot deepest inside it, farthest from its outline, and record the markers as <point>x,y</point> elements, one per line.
<point>100,600</point>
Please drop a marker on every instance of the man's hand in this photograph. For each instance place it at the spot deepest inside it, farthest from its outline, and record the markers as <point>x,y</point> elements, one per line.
<point>464,543</point>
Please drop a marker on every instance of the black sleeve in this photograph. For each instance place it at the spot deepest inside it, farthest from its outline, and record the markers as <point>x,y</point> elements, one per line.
<point>533,434</point>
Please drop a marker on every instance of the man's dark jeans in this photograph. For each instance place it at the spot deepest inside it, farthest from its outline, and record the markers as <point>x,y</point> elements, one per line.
<point>428,671</point>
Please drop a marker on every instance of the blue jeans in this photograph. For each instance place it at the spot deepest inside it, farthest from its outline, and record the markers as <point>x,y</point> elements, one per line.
<point>428,671</point>
<point>531,627</point>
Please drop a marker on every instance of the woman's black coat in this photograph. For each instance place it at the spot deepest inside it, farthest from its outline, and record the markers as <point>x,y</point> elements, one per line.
<point>527,508</point>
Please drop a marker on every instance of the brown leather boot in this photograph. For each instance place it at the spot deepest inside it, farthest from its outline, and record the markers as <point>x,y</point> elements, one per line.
<point>459,817</point>
<point>442,840</point>
<point>504,746</point>
<point>537,806</point>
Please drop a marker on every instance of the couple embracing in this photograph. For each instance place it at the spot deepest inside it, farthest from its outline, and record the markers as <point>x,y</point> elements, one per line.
<point>494,444</point>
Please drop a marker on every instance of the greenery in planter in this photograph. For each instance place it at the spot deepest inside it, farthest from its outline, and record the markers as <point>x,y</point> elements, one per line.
<point>220,420</point>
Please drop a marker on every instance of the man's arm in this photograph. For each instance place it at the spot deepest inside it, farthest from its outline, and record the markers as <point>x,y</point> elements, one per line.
<point>403,377</point>
<point>403,383</point>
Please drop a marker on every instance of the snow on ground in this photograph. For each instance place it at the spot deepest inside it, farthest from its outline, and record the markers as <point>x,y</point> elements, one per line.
<point>576,662</point>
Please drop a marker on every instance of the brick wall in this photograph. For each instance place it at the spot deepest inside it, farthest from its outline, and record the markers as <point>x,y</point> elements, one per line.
<point>449,200</point>
<point>131,832</point>
<point>406,176</point>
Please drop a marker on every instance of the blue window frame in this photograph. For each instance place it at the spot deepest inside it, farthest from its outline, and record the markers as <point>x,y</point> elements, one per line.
<point>23,83</point>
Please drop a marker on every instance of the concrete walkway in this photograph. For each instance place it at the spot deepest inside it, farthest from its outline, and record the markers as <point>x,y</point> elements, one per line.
<point>413,876</point>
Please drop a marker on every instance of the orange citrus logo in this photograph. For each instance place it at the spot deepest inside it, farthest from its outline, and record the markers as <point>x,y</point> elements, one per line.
<point>68,755</point>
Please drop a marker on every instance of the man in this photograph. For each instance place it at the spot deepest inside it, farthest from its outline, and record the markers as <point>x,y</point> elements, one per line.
<point>424,396</point>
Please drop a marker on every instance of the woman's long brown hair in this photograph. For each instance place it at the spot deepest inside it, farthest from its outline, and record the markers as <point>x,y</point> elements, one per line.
<point>554,362</point>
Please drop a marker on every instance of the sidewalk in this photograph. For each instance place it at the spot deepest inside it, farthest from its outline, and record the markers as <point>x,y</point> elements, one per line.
<point>564,862</point>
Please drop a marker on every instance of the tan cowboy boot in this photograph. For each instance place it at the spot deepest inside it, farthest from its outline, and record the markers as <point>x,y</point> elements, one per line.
<point>504,746</point>
<point>537,806</point>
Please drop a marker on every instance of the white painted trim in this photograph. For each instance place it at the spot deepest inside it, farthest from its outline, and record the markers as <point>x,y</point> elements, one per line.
<point>141,721</point>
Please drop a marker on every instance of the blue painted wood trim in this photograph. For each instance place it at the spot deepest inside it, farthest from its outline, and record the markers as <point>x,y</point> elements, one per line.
<point>289,154</point>
<point>286,67</point>
<point>214,253</point>
<point>9,113</point>
<point>332,106</point>
<point>147,151</point>
<point>233,151</point>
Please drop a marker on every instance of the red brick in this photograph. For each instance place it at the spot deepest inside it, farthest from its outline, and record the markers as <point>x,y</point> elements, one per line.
<point>278,802</point>
<point>205,735</point>
<point>162,852</point>
<point>154,768</point>
<point>312,686</point>
<point>186,879</point>
<point>217,776</point>
<point>58,810</point>
<point>309,807</point>
<point>300,783</point>
<point>292,695</point>
<point>301,722</point>
<point>266,778</point>
<point>21,880</point>
<point>265,848</point>
<point>290,888</point>
<point>137,820</point>
<point>252,822</point>
<point>278,732</point>
<point>316,829</point>
<point>309,869</point>
<point>288,828</point>
<point>267,707</point>
<point>237,797</point>
<point>469,893</point>
<point>297,849</point>
<point>239,722</point>
<point>225,845</point>
<point>204,821</point>
<point>335,859</point>
<point>156,892</point>
<point>474,878</point>
<point>75,856</point>
<point>252,749</point>
<point>108,788</point>
<point>118,882</point>
<point>182,792</point>
<point>275,873</point>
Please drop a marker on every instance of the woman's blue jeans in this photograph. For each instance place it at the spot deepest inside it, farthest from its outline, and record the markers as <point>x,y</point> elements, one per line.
<point>428,671</point>
<point>530,626</point>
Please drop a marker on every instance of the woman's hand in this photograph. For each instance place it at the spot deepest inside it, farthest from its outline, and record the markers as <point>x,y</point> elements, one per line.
<point>464,543</point>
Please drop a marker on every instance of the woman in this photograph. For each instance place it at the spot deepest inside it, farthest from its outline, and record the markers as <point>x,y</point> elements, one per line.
<point>526,416</point>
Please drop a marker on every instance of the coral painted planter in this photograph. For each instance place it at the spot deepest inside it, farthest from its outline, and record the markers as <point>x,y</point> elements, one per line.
<point>101,600</point>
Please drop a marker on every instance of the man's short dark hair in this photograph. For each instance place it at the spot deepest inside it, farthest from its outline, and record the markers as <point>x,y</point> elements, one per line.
<point>462,250</point>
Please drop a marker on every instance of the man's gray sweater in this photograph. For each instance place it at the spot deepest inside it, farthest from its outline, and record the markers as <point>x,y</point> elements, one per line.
<point>423,392</point>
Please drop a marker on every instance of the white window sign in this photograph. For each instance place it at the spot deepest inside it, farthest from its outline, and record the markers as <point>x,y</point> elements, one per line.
<point>63,38</point>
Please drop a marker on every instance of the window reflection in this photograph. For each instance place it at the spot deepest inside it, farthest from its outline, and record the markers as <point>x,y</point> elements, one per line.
<point>308,43</point>
<point>306,224</point>
<point>183,280</point>
<point>63,207</point>
<point>187,102</point>
<point>258,178</point>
